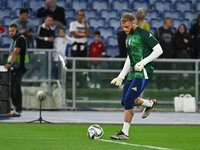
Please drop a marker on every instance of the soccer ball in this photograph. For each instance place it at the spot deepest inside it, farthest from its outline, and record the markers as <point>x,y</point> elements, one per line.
<point>41,95</point>
<point>95,131</point>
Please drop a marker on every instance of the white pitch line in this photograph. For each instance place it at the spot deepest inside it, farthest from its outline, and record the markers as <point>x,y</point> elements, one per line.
<point>136,145</point>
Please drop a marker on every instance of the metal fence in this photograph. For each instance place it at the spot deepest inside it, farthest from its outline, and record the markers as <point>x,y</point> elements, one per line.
<point>71,68</point>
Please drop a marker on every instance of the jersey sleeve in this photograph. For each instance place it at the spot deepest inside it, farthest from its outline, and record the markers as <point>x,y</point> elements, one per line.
<point>72,27</point>
<point>150,40</point>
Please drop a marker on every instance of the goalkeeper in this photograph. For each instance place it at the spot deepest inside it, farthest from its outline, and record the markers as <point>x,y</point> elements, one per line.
<point>142,48</point>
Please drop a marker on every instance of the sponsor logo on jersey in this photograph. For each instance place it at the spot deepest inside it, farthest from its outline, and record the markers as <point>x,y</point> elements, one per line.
<point>134,89</point>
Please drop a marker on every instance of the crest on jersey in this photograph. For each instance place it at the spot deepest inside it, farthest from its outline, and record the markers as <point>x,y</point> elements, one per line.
<point>129,42</point>
<point>134,89</point>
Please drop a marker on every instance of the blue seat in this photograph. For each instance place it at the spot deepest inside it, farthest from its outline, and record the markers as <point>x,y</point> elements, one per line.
<point>36,4</point>
<point>92,13</point>
<point>153,30</point>
<point>106,32</point>
<point>79,4</point>
<point>140,4</point>
<point>112,51</point>
<point>36,21</point>
<point>176,23</point>
<point>7,20</point>
<point>189,15</point>
<point>112,41</point>
<point>99,5</point>
<point>70,13</point>
<point>115,23</point>
<point>107,14</point>
<point>5,41</point>
<point>183,6</point>
<point>186,22</point>
<point>197,5</point>
<point>13,4</point>
<point>93,22</point>
<point>152,14</point>
<point>162,6</point>
<point>174,14</point>
<point>120,5</point>
<point>90,39</point>
<point>156,23</point>
<point>122,12</point>
<point>5,12</point>
<point>61,3</point>
<point>69,20</point>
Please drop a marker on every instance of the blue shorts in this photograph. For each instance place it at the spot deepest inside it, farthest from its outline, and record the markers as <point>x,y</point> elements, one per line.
<point>132,89</point>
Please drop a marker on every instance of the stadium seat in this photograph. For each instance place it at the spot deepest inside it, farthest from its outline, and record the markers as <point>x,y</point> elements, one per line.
<point>156,23</point>
<point>36,4</point>
<point>183,6</point>
<point>7,20</point>
<point>6,31</point>
<point>140,4</point>
<point>112,41</point>
<point>70,13</point>
<point>91,13</point>
<point>115,23</point>
<point>90,39</point>
<point>176,22</point>
<point>61,3</point>
<point>106,32</point>
<point>93,22</point>
<point>69,20</point>
<point>36,21</point>
<point>5,12</point>
<point>112,51</point>
<point>120,5</point>
<point>78,4</point>
<point>13,4</point>
<point>5,41</point>
<point>152,14</point>
<point>153,30</point>
<point>123,12</point>
<point>174,14</point>
<point>186,22</point>
<point>107,14</point>
<point>162,6</point>
<point>197,5</point>
<point>99,5</point>
<point>189,15</point>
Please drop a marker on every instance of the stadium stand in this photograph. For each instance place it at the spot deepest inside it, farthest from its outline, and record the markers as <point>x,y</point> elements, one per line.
<point>105,14</point>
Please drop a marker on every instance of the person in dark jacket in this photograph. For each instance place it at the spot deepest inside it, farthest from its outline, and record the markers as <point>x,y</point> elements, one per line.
<point>121,38</point>
<point>182,42</point>
<point>195,33</point>
<point>164,35</point>
<point>50,8</point>
<point>45,40</point>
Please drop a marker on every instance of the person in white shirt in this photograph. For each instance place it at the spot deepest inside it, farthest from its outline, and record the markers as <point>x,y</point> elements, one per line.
<point>80,31</point>
<point>61,47</point>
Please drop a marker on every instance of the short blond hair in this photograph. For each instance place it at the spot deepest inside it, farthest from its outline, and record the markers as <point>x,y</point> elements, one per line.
<point>127,17</point>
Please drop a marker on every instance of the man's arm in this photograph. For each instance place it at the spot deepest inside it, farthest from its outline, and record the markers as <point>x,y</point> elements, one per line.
<point>13,57</point>
<point>87,30</point>
<point>75,35</point>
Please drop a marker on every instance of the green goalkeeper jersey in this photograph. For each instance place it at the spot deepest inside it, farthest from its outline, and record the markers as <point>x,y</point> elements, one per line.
<point>139,45</point>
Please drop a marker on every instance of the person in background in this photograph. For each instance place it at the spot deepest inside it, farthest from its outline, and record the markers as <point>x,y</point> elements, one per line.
<point>121,38</point>
<point>18,59</point>
<point>140,19</point>
<point>25,26</point>
<point>195,33</point>
<point>164,35</point>
<point>45,40</point>
<point>61,47</point>
<point>97,49</point>
<point>80,31</point>
<point>50,8</point>
<point>182,42</point>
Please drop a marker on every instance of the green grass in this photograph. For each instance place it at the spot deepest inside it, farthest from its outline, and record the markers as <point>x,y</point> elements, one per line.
<point>21,136</point>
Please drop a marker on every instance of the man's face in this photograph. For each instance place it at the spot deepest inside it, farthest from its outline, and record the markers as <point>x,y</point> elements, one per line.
<point>51,3</point>
<point>23,17</point>
<point>12,32</point>
<point>169,23</point>
<point>139,14</point>
<point>128,26</point>
<point>80,16</point>
<point>49,21</point>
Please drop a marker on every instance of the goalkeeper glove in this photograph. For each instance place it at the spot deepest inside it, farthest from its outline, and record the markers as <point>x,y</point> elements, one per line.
<point>139,66</point>
<point>117,81</point>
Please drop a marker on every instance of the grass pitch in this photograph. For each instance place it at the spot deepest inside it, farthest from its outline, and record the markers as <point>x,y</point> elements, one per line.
<point>24,136</point>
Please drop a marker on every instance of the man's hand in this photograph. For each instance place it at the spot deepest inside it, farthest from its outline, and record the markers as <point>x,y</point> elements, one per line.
<point>139,66</point>
<point>7,66</point>
<point>117,81</point>
<point>51,39</point>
